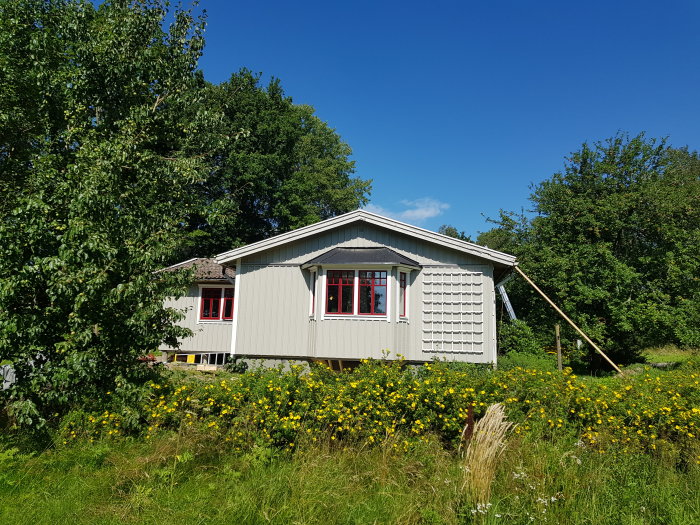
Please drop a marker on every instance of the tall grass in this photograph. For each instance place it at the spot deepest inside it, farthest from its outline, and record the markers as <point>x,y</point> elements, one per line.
<point>186,478</point>
<point>178,480</point>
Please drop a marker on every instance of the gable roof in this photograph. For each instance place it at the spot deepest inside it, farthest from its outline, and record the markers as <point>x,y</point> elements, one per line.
<point>204,269</point>
<point>494,256</point>
<point>374,255</point>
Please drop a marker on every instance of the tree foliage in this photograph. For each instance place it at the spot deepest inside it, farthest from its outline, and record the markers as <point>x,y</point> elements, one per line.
<point>511,232</point>
<point>117,158</point>
<point>451,231</point>
<point>95,173</point>
<point>286,170</point>
<point>614,242</point>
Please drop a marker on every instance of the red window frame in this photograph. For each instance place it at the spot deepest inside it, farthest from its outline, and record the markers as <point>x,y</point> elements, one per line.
<point>402,293</point>
<point>215,302</point>
<point>337,283</point>
<point>211,304</point>
<point>227,302</point>
<point>373,279</point>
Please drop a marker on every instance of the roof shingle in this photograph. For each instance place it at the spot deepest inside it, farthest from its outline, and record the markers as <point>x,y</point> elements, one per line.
<point>205,269</point>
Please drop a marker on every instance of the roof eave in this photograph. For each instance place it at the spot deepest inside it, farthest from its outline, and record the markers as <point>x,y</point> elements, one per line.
<point>377,220</point>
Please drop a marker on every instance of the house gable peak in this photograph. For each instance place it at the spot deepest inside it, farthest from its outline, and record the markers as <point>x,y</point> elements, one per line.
<point>374,219</point>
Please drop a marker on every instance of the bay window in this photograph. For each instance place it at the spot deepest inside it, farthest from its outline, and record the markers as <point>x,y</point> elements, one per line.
<point>359,293</point>
<point>360,283</point>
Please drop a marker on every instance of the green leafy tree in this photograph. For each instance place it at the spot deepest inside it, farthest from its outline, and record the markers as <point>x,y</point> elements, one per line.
<point>96,173</point>
<point>510,234</point>
<point>451,231</point>
<point>614,242</point>
<point>281,168</point>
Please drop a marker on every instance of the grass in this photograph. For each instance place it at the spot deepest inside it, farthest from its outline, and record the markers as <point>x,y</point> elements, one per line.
<point>176,480</point>
<point>668,354</point>
<point>186,479</point>
<point>564,462</point>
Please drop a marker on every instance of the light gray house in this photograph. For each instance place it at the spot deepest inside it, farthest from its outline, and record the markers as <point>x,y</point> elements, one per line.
<point>352,287</point>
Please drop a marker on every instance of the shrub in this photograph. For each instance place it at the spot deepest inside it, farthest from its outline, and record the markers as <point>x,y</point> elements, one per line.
<point>517,336</point>
<point>235,365</point>
<point>387,403</point>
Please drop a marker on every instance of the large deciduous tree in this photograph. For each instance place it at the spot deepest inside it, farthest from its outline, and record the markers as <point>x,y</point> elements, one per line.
<point>116,158</point>
<point>615,242</point>
<point>281,168</point>
<point>96,173</point>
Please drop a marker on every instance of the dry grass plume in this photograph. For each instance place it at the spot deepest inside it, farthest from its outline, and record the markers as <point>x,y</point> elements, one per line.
<point>481,456</point>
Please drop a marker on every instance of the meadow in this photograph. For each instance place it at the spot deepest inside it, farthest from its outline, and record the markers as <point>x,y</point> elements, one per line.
<point>379,444</point>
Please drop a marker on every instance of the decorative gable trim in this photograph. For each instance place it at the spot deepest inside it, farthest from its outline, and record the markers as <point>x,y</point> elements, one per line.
<point>374,219</point>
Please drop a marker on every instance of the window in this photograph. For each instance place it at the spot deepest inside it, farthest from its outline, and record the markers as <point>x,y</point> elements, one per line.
<point>217,304</point>
<point>340,288</point>
<point>211,300</point>
<point>402,294</point>
<point>313,294</point>
<point>372,292</point>
<point>356,292</point>
<point>228,304</point>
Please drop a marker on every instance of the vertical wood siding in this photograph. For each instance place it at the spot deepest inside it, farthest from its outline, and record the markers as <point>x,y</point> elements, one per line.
<point>361,236</point>
<point>274,311</point>
<point>208,337</point>
<point>274,304</point>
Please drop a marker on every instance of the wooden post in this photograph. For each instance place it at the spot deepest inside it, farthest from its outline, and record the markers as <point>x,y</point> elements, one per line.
<point>556,334</point>
<point>470,422</point>
<point>468,429</point>
<point>588,339</point>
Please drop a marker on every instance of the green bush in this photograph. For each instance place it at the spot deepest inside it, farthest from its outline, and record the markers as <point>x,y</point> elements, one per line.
<point>379,403</point>
<point>517,336</point>
<point>235,365</point>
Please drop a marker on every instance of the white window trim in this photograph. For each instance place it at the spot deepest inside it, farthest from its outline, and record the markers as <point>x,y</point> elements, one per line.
<point>356,292</point>
<point>221,303</point>
<point>403,318</point>
<point>314,278</point>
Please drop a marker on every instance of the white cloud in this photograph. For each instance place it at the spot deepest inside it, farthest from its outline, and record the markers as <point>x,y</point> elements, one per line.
<point>417,211</point>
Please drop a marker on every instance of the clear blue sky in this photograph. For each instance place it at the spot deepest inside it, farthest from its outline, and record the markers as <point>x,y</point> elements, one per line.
<point>455,108</point>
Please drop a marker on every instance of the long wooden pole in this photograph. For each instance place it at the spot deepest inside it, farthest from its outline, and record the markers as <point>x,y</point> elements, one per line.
<point>566,318</point>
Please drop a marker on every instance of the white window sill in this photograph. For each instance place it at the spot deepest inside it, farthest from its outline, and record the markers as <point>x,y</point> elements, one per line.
<point>356,317</point>
<point>214,321</point>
